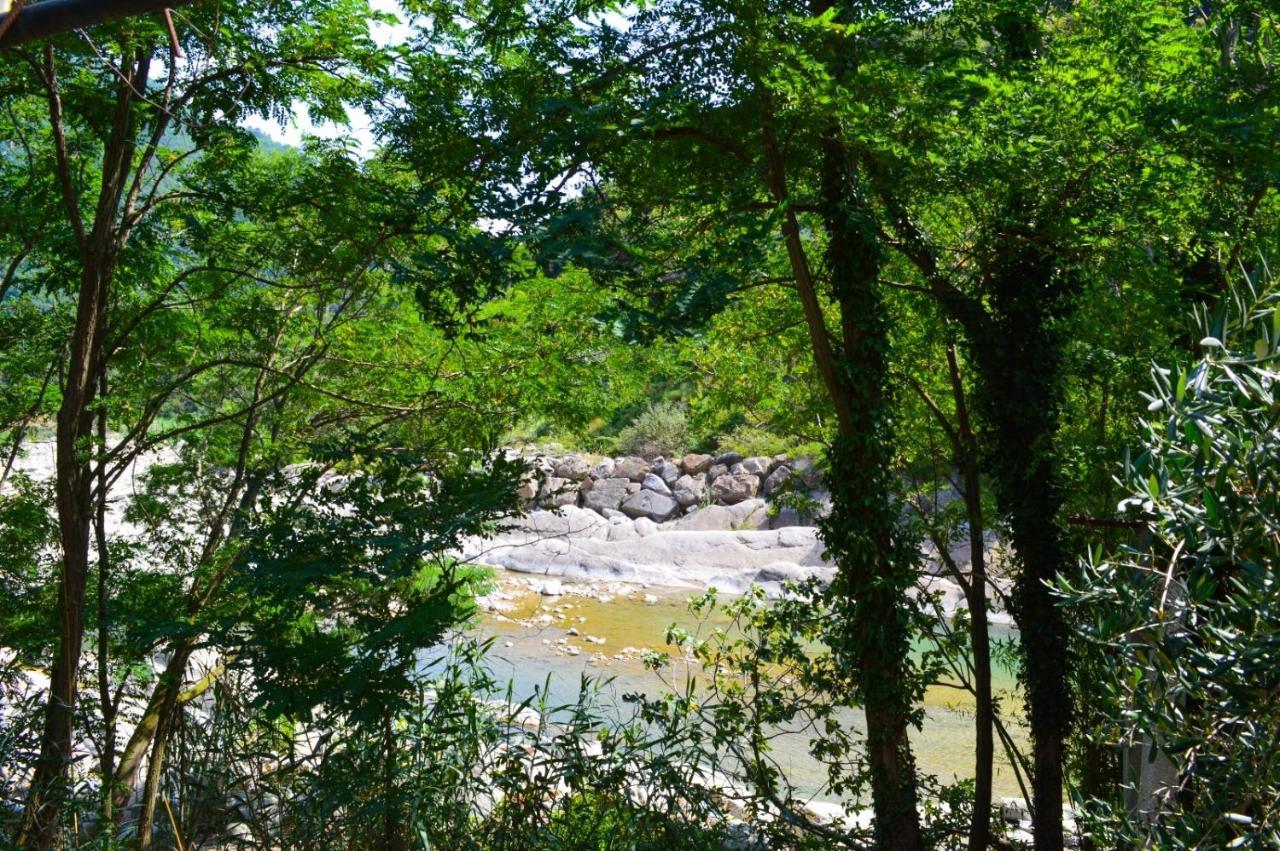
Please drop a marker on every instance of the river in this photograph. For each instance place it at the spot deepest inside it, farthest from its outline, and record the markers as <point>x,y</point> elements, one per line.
<point>533,641</point>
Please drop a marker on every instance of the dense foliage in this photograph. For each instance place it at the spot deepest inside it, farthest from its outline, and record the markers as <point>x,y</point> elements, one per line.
<point>255,398</point>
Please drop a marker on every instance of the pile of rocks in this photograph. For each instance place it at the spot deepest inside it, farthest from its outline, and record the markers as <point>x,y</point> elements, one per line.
<point>662,488</point>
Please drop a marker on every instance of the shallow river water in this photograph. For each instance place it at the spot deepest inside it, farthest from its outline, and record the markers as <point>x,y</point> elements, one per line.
<point>533,641</point>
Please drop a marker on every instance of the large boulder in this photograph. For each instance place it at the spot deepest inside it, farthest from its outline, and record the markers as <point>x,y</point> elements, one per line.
<point>712,518</point>
<point>645,527</point>
<point>666,470</point>
<point>573,467</point>
<point>751,514</point>
<point>605,494</point>
<point>631,468</point>
<point>650,504</point>
<point>689,490</point>
<point>621,530</point>
<point>756,465</point>
<point>654,483</point>
<point>807,471</point>
<point>694,464</point>
<point>715,471</point>
<point>604,470</point>
<point>734,488</point>
<point>776,479</point>
<point>557,492</point>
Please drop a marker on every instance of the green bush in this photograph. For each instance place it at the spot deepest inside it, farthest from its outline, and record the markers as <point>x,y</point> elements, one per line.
<point>663,429</point>
<point>1190,617</point>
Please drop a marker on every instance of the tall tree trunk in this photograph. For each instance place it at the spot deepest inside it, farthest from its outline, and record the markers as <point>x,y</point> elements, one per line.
<point>75,514</point>
<point>1020,358</point>
<point>155,771</point>
<point>390,822</point>
<point>108,755</point>
<point>876,561</point>
<point>979,635</point>
<point>861,531</point>
<point>99,250</point>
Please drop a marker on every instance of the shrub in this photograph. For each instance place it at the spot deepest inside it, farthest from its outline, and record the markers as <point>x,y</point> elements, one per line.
<point>663,429</point>
<point>1190,619</point>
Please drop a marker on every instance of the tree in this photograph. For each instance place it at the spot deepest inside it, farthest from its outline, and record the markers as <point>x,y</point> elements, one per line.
<point>109,118</point>
<point>700,178</point>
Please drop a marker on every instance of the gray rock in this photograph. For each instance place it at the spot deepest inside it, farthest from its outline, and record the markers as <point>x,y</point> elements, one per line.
<point>238,832</point>
<point>633,487</point>
<point>614,514</point>
<point>776,479</point>
<point>654,483</point>
<point>787,517</point>
<point>621,530</point>
<point>756,465</point>
<point>689,490</point>
<point>694,464</point>
<point>728,459</point>
<point>715,471</point>
<point>645,527</point>
<point>807,471</point>
<point>631,468</point>
<point>778,461</point>
<point>713,518</point>
<point>731,489</point>
<point>749,514</point>
<point>604,470</point>
<point>573,467</point>
<point>557,492</point>
<point>666,470</point>
<point>650,504</point>
<point>528,490</point>
<point>605,493</point>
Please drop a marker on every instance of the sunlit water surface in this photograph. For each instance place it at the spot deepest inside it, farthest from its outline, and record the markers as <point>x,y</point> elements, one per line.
<point>530,656</point>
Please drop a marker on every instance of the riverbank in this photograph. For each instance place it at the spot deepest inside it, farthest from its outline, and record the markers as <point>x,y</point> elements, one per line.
<point>731,550</point>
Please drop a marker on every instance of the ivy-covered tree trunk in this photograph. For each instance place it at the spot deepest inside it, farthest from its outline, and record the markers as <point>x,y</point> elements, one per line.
<point>876,558</point>
<point>1019,360</point>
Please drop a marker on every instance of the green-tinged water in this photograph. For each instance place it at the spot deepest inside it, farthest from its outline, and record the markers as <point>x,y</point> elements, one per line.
<point>533,642</point>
